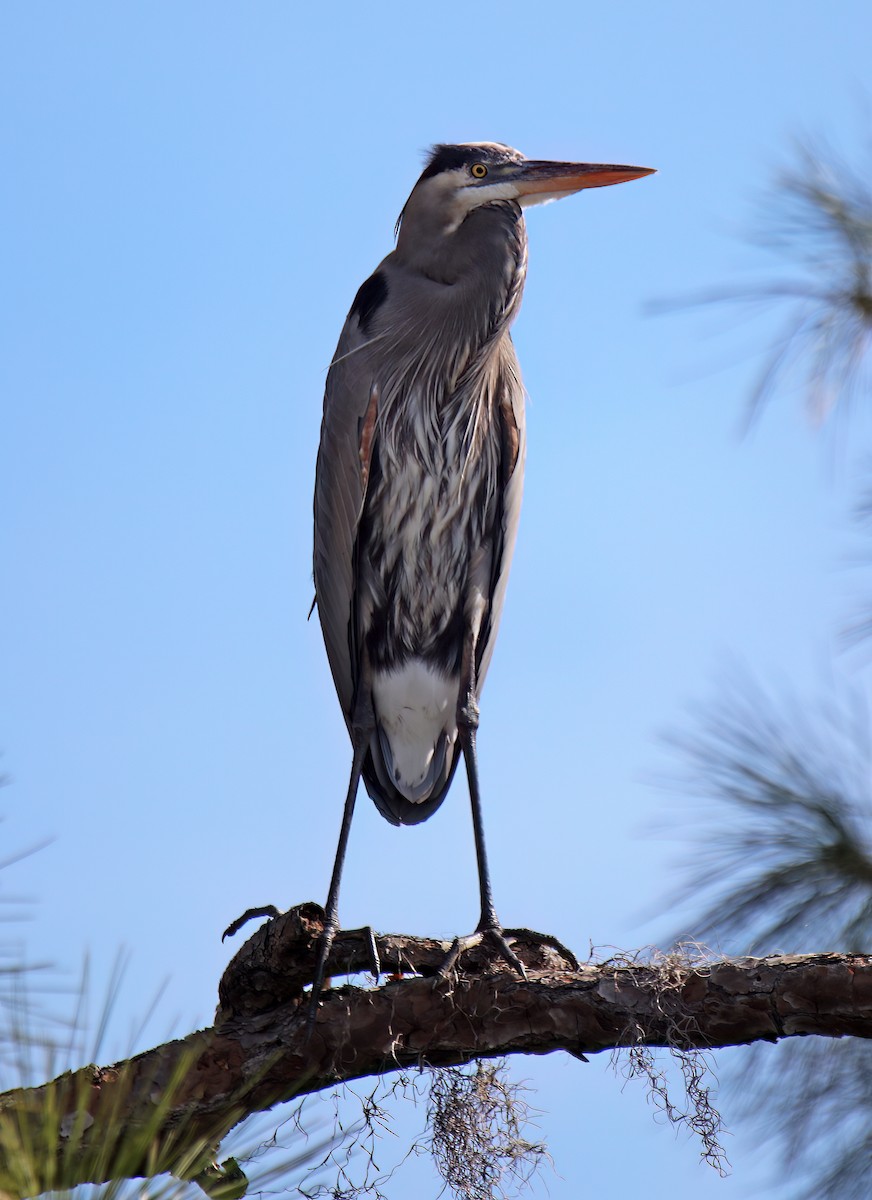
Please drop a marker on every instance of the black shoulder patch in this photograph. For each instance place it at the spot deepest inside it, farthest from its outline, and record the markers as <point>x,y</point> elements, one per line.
<point>371,295</point>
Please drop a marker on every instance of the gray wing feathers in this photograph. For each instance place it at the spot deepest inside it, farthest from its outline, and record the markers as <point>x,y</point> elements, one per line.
<point>339,496</point>
<point>514,429</point>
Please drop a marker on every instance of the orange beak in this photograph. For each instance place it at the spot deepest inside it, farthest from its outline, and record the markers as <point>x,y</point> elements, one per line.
<point>561,179</point>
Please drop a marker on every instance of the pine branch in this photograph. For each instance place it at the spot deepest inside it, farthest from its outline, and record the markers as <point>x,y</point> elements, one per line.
<point>167,1109</point>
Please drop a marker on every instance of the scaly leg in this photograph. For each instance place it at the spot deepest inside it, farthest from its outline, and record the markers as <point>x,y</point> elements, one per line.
<point>361,730</point>
<point>489,926</point>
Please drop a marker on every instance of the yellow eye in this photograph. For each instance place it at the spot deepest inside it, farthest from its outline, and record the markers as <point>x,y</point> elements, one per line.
<point>479,170</point>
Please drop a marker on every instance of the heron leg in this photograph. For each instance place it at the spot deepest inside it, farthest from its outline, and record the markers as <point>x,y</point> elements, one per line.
<point>489,924</point>
<point>467,728</point>
<point>362,726</point>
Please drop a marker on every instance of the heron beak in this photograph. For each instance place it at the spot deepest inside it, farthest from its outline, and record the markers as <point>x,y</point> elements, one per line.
<point>542,181</point>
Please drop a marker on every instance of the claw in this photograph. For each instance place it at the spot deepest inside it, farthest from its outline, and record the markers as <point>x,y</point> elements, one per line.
<point>457,948</point>
<point>268,910</point>
<point>367,935</point>
<point>325,945</point>
<point>547,939</point>
<point>496,937</point>
<point>492,934</point>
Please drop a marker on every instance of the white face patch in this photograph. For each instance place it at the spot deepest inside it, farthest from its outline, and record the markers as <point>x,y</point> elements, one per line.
<point>473,195</point>
<point>485,193</point>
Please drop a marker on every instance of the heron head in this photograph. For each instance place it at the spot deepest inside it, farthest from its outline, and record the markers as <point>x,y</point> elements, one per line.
<point>459,179</point>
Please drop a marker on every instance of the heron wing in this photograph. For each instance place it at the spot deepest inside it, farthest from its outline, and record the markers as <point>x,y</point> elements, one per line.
<point>341,477</point>
<point>513,430</point>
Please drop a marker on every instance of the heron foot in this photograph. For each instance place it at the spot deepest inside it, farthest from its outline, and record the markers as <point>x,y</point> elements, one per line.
<point>321,979</point>
<point>325,945</point>
<point>489,934</point>
<point>267,910</point>
<point>366,933</point>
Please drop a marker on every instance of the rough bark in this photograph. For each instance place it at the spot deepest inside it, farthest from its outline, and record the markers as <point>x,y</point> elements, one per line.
<point>169,1107</point>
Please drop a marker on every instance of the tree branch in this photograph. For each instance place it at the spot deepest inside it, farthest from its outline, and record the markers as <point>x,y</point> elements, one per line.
<point>167,1109</point>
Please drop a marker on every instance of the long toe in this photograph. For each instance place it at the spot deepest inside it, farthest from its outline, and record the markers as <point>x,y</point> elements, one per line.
<point>266,910</point>
<point>496,938</point>
<point>457,948</point>
<point>366,933</point>
<point>325,944</point>
<point>490,935</point>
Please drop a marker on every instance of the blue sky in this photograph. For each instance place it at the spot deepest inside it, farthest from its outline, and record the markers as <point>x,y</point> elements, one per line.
<point>193,194</point>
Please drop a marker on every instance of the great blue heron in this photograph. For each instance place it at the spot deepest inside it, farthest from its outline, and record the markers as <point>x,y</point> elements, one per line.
<point>418,486</point>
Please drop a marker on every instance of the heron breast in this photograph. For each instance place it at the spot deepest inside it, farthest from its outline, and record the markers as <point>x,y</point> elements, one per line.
<point>428,518</point>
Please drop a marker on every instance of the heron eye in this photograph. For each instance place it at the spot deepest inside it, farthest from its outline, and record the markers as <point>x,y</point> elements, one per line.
<point>479,170</point>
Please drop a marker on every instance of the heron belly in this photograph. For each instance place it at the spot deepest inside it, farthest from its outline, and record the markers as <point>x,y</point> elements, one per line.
<point>415,710</point>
